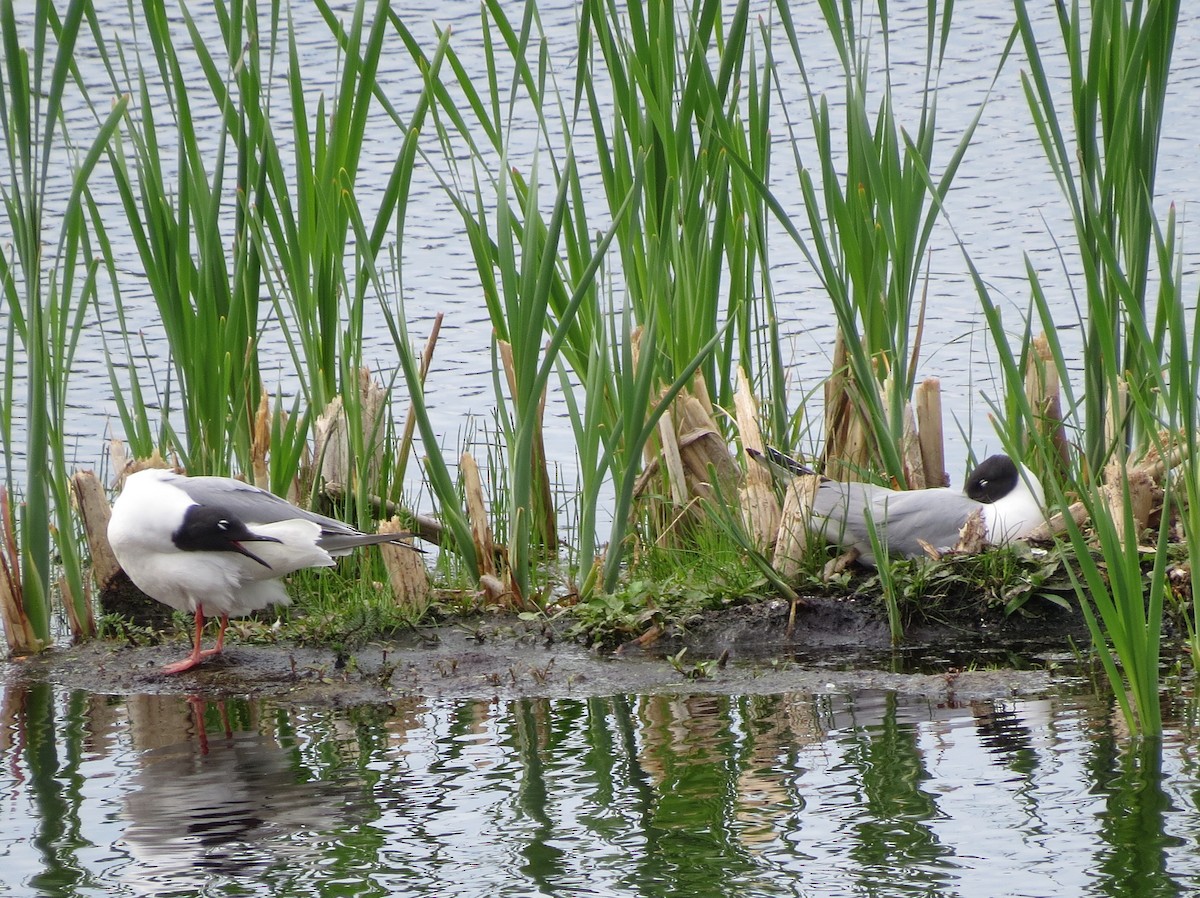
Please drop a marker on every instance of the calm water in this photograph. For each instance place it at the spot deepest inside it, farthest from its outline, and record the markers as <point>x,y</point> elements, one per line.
<point>792,794</point>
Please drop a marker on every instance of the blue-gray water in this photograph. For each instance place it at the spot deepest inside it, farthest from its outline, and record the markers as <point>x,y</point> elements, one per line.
<point>1005,206</point>
<point>702,795</point>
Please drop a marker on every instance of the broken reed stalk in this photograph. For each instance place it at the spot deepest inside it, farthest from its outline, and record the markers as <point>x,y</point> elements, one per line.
<point>18,629</point>
<point>481,530</point>
<point>545,520</point>
<point>338,454</point>
<point>760,507</point>
<point>1131,490</point>
<point>410,420</point>
<point>794,538</point>
<point>1145,478</point>
<point>260,442</point>
<point>847,449</point>
<point>702,448</point>
<point>80,616</point>
<point>672,461</point>
<point>692,454</point>
<point>910,451</point>
<point>423,526</point>
<point>851,447</point>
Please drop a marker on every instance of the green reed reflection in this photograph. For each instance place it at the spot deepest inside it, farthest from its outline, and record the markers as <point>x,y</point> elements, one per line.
<point>892,837</point>
<point>1134,859</point>
<point>648,796</point>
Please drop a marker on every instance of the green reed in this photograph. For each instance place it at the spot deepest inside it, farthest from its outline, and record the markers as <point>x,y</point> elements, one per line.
<point>871,208</point>
<point>283,213</point>
<point>1121,602</point>
<point>1119,57</point>
<point>625,294</point>
<point>46,290</point>
<point>205,282</point>
<point>538,258</point>
<point>688,93</point>
<point>1141,374</point>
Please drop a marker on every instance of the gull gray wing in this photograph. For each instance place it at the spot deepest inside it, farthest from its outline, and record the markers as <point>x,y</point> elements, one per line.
<point>903,519</point>
<point>252,505</point>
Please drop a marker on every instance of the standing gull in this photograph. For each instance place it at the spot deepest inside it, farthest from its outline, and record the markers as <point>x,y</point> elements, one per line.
<point>215,546</point>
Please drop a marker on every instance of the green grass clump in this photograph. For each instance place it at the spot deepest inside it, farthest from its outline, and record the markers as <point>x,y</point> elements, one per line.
<point>669,585</point>
<point>996,583</point>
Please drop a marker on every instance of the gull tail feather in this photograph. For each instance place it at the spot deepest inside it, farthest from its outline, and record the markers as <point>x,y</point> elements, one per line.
<point>344,543</point>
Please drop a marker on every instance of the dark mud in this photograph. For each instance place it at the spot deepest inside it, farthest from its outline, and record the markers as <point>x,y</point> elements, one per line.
<point>836,646</point>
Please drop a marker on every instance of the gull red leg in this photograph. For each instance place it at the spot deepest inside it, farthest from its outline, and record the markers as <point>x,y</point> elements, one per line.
<point>194,658</point>
<point>216,650</point>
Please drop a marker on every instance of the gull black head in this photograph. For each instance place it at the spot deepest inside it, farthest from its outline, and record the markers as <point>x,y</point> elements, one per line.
<point>993,479</point>
<point>206,528</point>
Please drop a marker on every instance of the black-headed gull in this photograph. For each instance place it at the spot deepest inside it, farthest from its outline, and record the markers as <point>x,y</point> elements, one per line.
<point>217,547</point>
<point>1007,496</point>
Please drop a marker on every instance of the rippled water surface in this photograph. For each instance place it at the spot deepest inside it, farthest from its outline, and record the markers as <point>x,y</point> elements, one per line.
<point>790,794</point>
<point>1005,207</point>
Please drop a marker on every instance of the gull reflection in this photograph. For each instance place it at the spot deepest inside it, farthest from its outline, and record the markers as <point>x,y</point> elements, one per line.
<point>225,806</point>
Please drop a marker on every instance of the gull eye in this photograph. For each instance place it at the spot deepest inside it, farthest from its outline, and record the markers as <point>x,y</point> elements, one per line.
<point>223,525</point>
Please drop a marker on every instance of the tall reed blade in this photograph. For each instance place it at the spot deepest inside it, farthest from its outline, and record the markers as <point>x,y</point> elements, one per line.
<point>45,298</point>
<point>1119,57</point>
<point>871,212</point>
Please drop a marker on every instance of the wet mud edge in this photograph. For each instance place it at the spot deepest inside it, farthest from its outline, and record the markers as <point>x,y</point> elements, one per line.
<point>834,647</point>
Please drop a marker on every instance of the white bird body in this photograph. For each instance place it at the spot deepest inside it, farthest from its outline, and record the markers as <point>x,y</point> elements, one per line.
<point>223,583</point>
<point>215,546</point>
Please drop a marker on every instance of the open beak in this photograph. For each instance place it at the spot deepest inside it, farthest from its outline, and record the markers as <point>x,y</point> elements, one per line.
<point>238,547</point>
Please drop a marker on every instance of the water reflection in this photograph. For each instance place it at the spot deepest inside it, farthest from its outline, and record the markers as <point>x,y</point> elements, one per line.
<point>785,794</point>
<point>223,805</point>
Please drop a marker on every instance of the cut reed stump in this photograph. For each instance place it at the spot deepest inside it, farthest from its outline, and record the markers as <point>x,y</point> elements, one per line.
<point>545,520</point>
<point>91,504</point>
<point>260,442</point>
<point>406,570</point>
<point>494,589</point>
<point>91,501</point>
<point>117,593</point>
<point>1044,392</point>
<point>930,432</point>
<point>760,507</point>
<point>337,460</point>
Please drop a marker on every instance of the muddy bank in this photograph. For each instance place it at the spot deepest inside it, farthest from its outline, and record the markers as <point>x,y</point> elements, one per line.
<point>835,647</point>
